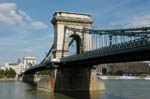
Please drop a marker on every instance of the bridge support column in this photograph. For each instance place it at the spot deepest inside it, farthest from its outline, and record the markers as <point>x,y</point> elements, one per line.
<point>48,83</point>
<point>29,78</point>
<point>71,79</point>
<point>77,79</point>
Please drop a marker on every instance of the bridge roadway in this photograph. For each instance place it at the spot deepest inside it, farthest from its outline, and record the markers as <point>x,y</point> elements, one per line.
<point>135,50</point>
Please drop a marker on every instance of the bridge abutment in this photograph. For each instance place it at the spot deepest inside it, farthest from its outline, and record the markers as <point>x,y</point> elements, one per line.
<point>78,79</point>
<point>29,78</point>
<point>72,79</point>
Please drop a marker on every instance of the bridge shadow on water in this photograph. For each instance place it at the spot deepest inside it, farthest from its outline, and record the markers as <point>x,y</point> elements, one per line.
<point>82,95</point>
<point>66,94</point>
<point>69,95</point>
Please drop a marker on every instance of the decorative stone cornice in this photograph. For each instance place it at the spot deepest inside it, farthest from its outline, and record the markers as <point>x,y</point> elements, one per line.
<point>69,17</point>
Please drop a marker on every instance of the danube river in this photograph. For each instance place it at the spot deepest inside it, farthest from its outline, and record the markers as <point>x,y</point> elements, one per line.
<point>115,89</point>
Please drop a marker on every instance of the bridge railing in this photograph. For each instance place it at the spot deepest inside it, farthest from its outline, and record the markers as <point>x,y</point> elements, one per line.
<point>125,46</point>
<point>105,38</point>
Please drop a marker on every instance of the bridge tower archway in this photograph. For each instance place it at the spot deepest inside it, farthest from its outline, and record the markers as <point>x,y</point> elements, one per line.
<point>61,20</point>
<point>75,38</point>
<point>29,61</point>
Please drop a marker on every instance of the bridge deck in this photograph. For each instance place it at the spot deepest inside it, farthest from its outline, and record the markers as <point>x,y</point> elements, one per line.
<point>136,50</point>
<point>128,51</point>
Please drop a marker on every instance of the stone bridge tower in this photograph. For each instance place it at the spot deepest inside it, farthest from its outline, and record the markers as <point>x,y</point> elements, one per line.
<point>29,61</point>
<point>71,78</point>
<point>61,35</point>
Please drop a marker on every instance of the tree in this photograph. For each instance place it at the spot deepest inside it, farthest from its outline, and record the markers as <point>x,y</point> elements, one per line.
<point>9,73</point>
<point>44,72</point>
<point>2,73</point>
<point>6,73</point>
<point>120,72</point>
<point>12,73</point>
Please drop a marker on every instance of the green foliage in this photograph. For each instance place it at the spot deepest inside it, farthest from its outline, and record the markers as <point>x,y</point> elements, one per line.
<point>44,72</point>
<point>2,73</point>
<point>120,72</point>
<point>9,73</point>
<point>111,73</point>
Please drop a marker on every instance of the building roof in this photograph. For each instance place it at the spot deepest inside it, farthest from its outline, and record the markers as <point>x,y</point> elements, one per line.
<point>29,57</point>
<point>13,63</point>
<point>77,13</point>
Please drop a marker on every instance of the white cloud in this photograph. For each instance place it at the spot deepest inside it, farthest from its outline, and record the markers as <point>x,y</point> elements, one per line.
<point>38,25</point>
<point>16,33</point>
<point>27,50</point>
<point>7,6</point>
<point>10,15</point>
<point>25,15</point>
<point>141,21</point>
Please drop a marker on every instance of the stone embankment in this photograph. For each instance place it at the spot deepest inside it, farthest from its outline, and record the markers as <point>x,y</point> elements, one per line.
<point>125,77</point>
<point>8,79</point>
<point>44,84</point>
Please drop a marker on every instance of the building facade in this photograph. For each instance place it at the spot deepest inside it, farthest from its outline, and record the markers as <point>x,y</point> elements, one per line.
<point>102,69</point>
<point>127,68</point>
<point>21,65</point>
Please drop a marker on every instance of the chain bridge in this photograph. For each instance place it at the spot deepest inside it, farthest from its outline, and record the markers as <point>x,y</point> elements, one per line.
<point>78,49</point>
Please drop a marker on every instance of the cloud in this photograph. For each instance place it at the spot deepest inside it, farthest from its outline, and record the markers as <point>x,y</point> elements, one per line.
<point>10,15</point>
<point>141,21</point>
<point>25,16</point>
<point>33,48</point>
<point>7,6</point>
<point>38,25</point>
<point>27,50</point>
<point>17,37</point>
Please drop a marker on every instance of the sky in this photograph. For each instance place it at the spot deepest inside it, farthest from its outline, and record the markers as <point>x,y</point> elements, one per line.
<point>25,28</point>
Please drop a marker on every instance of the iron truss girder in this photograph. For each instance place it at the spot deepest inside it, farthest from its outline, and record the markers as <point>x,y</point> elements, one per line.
<point>115,32</point>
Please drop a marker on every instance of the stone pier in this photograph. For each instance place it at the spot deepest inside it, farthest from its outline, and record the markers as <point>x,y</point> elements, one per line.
<point>71,79</point>
<point>28,78</point>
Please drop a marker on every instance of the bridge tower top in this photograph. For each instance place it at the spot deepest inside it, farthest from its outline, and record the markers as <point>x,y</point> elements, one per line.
<point>70,19</point>
<point>29,61</point>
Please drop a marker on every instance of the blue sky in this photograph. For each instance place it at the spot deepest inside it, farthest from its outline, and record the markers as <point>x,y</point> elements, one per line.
<point>25,27</point>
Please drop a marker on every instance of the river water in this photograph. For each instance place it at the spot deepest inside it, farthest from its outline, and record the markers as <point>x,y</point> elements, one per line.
<point>115,89</point>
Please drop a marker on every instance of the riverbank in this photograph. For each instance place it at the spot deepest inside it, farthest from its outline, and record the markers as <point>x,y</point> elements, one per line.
<point>125,77</point>
<point>8,79</point>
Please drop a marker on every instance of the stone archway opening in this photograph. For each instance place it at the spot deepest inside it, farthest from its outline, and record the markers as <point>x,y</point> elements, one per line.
<point>104,71</point>
<point>30,65</point>
<point>74,44</point>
